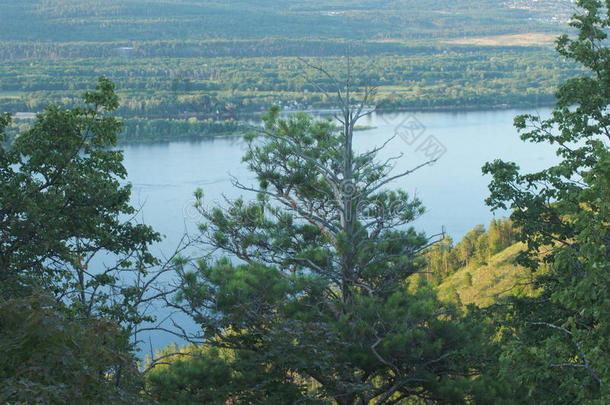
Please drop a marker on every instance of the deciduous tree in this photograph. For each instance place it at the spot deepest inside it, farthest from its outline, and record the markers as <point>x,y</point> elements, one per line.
<point>557,344</point>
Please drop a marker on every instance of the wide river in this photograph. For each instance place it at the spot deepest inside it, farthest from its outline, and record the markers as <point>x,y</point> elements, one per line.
<point>453,190</point>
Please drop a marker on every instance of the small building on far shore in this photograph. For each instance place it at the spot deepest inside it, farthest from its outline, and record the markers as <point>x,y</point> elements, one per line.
<point>24,115</point>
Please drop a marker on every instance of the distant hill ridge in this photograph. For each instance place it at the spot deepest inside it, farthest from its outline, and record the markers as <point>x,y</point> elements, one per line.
<point>149,20</point>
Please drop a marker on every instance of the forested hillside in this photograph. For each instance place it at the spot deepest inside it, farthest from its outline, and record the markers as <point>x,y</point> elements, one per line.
<point>485,284</point>
<point>482,268</point>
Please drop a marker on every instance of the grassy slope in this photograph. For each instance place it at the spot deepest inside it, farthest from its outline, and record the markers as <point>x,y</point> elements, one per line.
<point>497,279</point>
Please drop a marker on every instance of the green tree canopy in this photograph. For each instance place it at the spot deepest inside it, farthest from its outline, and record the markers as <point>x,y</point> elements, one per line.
<point>63,202</point>
<point>557,347</point>
<point>50,358</point>
<point>66,316</point>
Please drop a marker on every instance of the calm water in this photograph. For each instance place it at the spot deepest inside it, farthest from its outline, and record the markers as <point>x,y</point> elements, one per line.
<point>164,176</point>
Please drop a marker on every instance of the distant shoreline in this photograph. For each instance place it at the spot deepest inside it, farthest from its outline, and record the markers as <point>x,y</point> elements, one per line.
<point>249,126</point>
<point>331,110</point>
<point>238,125</point>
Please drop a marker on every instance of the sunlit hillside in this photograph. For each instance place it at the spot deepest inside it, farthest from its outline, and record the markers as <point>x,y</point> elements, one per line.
<point>485,284</point>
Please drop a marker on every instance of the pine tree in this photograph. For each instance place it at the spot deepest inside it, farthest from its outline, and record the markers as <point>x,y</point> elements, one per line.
<point>316,283</point>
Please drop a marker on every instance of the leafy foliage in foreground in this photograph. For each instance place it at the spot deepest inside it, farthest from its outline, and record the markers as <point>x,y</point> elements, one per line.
<point>48,358</point>
<point>217,376</point>
<point>73,270</point>
<point>556,345</point>
<point>62,205</point>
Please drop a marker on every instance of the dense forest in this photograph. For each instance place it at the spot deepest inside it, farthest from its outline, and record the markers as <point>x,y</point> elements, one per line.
<point>166,88</point>
<point>179,59</point>
<point>317,289</point>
